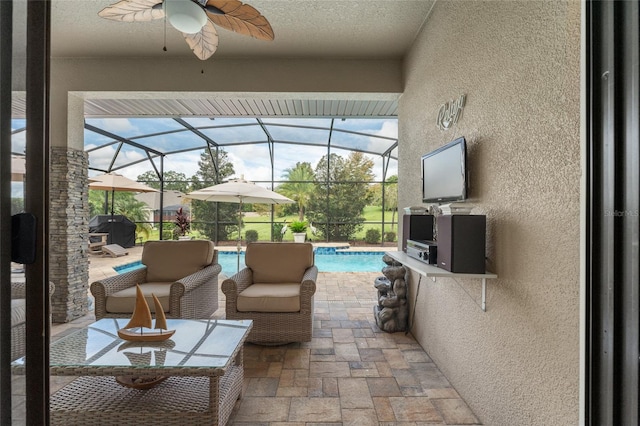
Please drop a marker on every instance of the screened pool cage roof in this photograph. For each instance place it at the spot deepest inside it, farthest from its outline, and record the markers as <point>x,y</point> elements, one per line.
<point>115,144</point>
<point>130,145</point>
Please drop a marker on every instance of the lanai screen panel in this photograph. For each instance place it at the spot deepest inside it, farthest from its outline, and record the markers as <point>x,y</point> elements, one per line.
<point>172,142</point>
<point>313,131</point>
<point>235,133</point>
<point>134,127</point>
<point>287,155</point>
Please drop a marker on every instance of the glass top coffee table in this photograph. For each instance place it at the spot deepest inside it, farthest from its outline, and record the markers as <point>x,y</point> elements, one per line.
<point>202,363</point>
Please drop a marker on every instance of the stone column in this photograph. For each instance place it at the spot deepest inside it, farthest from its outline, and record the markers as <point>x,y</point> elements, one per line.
<point>69,233</point>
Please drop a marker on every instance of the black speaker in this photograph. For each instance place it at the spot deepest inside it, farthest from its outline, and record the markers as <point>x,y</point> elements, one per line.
<point>23,238</point>
<point>418,227</point>
<point>461,243</point>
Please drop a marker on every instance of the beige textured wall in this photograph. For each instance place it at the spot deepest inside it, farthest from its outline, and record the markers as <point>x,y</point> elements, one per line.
<point>518,63</point>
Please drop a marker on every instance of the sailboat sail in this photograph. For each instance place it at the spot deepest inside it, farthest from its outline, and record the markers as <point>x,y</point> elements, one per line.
<point>143,358</point>
<point>161,319</point>
<point>141,313</point>
<point>141,318</point>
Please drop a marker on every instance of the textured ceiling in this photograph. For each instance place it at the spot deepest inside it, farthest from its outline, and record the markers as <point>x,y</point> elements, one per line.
<point>303,28</point>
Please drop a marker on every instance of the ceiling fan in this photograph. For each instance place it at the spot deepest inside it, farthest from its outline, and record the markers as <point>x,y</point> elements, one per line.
<point>195,19</point>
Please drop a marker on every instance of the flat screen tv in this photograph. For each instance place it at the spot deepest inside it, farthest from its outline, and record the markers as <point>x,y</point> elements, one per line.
<point>444,173</point>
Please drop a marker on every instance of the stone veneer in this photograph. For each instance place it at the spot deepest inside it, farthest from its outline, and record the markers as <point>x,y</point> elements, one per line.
<point>68,233</point>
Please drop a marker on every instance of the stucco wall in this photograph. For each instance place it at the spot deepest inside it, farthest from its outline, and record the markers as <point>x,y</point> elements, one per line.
<point>519,65</point>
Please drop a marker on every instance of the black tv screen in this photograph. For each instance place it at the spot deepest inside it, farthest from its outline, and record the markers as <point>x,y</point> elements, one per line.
<point>444,173</point>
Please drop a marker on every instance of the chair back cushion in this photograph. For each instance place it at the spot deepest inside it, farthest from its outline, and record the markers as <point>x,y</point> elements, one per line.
<point>279,262</point>
<point>169,261</point>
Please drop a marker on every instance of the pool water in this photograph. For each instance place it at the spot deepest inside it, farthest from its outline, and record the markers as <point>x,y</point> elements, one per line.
<point>327,260</point>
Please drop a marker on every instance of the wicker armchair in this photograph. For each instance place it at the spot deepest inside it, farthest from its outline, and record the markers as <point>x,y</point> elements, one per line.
<point>182,274</point>
<point>18,317</point>
<point>276,291</point>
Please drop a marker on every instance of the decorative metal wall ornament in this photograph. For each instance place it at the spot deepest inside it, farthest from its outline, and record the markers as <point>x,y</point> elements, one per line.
<point>450,113</point>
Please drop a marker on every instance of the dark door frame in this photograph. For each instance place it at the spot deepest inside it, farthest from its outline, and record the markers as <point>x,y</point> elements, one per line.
<point>6,55</point>
<point>38,26</point>
<point>612,200</point>
<point>37,203</point>
<point>612,193</point>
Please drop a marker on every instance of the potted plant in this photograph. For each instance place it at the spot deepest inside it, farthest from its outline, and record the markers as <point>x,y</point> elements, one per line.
<point>299,230</point>
<point>182,225</point>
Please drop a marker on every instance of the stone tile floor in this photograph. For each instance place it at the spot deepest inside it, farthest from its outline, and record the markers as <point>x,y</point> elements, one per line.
<point>351,373</point>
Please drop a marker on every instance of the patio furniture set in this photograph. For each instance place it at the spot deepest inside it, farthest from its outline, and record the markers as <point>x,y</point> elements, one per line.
<point>269,302</point>
<point>18,314</point>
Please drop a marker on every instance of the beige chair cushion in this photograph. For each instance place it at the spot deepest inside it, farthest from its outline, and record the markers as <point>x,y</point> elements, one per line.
<point>279,262</point>
<point>270,298</point>
<point>124,301</point>
<point>169,261</point>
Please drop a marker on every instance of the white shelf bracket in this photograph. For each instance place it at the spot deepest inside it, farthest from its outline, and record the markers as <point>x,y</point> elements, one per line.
<point>484,294</point>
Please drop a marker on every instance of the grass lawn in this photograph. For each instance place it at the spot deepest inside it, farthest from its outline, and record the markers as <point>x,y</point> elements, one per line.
<point>261,224</point>
<point>371,214</point>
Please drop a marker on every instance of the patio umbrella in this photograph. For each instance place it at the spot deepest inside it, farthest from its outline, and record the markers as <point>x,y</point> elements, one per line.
<point>114,182</point>
<point>239,191</point>
<point>17,168</point>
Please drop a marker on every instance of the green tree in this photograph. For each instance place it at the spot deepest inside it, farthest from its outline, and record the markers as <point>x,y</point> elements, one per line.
<point>173,180</point>
<point>300,186</point>
<point>124,203</point>
<point>17,205</point>
<point>205,213</point>
<point>341,194</point>
<point>97,202</point>
<point>390,195</point>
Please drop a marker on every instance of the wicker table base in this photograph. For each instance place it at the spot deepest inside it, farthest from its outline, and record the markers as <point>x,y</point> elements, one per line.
<point>99,400</point>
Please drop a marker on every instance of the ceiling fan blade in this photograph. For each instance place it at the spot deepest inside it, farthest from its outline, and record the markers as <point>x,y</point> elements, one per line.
<point>203,43</point>
<point>241,18</point>
<point>133,11</point>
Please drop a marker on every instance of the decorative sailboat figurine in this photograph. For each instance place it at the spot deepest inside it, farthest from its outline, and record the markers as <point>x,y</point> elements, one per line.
<point>141,318</point>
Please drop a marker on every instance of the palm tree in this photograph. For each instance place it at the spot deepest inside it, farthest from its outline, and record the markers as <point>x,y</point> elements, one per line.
<point>127,205</point>
<point>300,185</point>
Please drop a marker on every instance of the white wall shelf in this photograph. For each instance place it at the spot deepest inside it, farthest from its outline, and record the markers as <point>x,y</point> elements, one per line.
<point>433,272</point>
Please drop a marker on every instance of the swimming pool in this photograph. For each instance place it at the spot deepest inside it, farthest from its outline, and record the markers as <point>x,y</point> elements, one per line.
<point>328,259</point>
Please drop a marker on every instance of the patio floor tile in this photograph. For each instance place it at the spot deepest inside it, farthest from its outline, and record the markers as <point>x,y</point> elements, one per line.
<point>313,409</point>
<point>351,373</point>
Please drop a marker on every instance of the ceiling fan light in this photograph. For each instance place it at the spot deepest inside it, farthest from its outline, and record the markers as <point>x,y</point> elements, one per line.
<point>185,15</point>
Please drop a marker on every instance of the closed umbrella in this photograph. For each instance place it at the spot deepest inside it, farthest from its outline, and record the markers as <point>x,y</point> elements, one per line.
<point>239,191</point>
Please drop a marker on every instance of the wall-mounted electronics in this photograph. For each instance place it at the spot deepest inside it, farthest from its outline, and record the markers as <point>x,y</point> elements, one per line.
<point>416,227</point>
<point>426,251</point>
<point>444,173</point>
<point>461,243</point>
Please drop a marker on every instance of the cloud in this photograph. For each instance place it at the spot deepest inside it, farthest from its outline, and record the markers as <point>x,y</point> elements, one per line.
<point>252,161</point>
<point>101,158</point>
<point>389,129</point>
<point>113,125</point>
